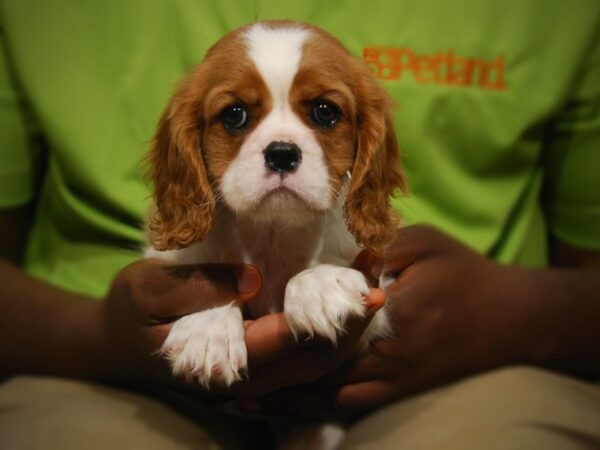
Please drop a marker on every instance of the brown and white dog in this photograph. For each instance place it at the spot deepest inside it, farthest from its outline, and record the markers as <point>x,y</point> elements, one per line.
<point>279,151</point>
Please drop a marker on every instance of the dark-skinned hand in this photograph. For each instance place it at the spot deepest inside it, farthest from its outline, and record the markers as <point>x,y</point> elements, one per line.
<point>454,313</point>
<point>149,295</point>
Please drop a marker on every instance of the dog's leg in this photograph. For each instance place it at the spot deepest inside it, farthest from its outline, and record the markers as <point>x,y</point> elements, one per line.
<point>318,301</point>
<point>208,346</point>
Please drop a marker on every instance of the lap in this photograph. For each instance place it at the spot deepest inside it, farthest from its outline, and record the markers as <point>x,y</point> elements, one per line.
<point>55,413</point>
<point>513,408</point>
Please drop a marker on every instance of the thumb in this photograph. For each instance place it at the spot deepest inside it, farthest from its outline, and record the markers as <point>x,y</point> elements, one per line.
<point>249,281</point>
<point>164,291</point>
<point>220,282</point>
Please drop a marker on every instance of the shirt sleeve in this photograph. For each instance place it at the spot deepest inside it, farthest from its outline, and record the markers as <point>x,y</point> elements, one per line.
<point>18,157</point>
<point>572,188</point>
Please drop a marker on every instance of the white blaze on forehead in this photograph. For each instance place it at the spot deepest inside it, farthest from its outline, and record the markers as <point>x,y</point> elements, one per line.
<point>277,53</point>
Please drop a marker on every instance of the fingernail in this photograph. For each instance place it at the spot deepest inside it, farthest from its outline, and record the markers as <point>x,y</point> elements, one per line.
<point>249,405</point>
<point>375,300</point>
<point>248,279</point>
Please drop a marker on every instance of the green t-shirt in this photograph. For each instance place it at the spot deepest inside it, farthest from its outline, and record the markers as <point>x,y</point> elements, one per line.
<point>498,115</point>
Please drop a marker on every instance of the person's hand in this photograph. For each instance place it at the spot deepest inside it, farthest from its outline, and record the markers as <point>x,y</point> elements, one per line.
<point>453,312</point>
<point>149,295</point>
<point>277,359</point>
<point>146,298</point>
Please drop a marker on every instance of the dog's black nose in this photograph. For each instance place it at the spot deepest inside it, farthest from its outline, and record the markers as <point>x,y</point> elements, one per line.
<point>282,157</point>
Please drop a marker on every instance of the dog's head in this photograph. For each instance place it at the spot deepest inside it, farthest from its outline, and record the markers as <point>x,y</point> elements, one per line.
<point>278,121</point>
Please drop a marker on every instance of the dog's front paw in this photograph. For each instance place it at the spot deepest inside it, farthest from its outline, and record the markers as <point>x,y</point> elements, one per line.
<point>318,301</point>
<point>208,346</point>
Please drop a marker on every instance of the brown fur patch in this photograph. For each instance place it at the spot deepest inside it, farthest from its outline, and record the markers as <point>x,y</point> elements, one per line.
<point>363,141</point>
<point>192,149</point>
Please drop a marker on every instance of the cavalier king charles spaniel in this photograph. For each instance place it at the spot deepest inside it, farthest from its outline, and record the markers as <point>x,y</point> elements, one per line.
<point>279,151</point>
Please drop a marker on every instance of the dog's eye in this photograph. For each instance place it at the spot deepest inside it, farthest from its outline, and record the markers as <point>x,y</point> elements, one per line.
<point>325,114</point>
<point>234,118</point>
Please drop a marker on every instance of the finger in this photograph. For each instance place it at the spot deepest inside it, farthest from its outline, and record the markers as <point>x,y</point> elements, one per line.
<point>154,336</point>
<point>269,339</point>
<point>358,369</point>
<point>411,244</point>
<point>163,292</point>
<point>297,363</point>
<point>370,265</point>
<point>375,299</point>
<point>249,282</point>
<point>356,325</point>
<point>301,366</point>
<point>359,398</point>
<point>304,362</point>
<point>321,403</point>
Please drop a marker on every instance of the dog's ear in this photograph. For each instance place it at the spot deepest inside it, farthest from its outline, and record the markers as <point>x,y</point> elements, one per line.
<point>184,201</point>
<point>377,172</point>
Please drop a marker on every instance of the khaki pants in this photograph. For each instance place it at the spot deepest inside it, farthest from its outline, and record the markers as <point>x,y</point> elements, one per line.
<point>515,408</point>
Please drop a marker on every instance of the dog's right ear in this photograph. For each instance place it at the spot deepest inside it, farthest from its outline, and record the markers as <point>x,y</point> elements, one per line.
<point>184,201</point>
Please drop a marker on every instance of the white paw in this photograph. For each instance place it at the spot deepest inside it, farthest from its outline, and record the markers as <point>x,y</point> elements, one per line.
<point>208,345</point>
<point>318,301</point>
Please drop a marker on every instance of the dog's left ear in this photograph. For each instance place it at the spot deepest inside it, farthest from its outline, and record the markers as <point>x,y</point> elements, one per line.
<point>377,172</point>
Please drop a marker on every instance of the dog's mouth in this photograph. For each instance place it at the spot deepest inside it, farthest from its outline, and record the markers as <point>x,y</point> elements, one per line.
<point>284,198</point>
<point>284,202</point>
<point>275,198</point>
<point>283,193</point>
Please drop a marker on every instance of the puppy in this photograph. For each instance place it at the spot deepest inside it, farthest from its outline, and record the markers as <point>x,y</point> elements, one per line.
<point>279,151</point>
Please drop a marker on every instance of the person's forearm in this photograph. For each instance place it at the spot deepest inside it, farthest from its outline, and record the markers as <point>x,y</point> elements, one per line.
<point>567,333</point>
<point>46,329</point>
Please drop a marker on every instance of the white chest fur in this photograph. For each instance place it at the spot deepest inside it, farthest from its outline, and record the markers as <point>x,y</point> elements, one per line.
<point>306,274</point>
<point>279,249</point>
